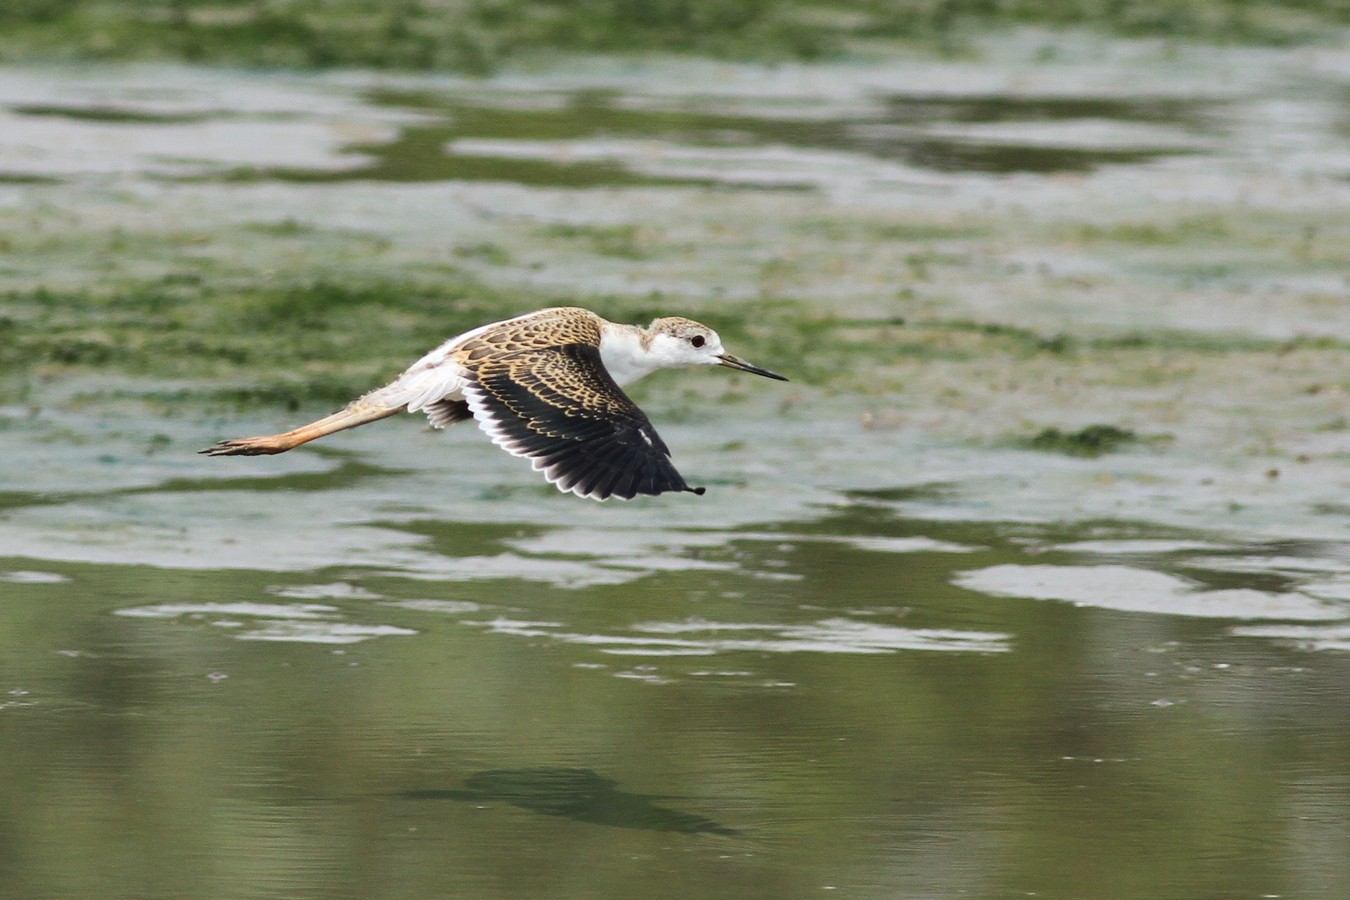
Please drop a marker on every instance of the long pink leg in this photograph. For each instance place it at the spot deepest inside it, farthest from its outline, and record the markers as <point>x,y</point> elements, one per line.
<point>358,412</point>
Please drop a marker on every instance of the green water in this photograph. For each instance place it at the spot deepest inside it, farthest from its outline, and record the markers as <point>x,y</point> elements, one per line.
<point>1033,581</point>
<point>788,714</point>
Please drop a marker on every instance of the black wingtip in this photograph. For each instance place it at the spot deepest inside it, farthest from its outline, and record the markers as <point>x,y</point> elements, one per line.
<point>700,491</point>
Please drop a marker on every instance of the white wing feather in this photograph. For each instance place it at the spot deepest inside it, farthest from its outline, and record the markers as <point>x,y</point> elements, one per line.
<point>436,376</point>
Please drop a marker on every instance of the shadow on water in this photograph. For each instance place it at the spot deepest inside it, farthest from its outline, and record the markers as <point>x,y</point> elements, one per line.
<point>578,794</point>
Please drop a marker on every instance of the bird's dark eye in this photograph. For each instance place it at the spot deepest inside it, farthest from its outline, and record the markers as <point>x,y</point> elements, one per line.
<point>697,340</point>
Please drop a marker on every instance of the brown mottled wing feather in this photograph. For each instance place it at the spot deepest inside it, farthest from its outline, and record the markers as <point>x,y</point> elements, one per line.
<point>559,407</point>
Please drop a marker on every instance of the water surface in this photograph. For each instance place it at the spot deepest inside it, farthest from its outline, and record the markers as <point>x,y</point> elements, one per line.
<point>922,637</point>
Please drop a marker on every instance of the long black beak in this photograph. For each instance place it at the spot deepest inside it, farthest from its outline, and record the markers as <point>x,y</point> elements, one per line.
<point>735,362</point>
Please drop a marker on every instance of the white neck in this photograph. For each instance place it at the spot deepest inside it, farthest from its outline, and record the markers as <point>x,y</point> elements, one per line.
<point>624,353</point>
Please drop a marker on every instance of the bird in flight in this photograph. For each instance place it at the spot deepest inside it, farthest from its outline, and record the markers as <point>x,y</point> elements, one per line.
<point>544,386</point>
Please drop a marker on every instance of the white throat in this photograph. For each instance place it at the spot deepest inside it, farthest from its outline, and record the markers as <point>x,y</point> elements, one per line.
<point>623,354</point>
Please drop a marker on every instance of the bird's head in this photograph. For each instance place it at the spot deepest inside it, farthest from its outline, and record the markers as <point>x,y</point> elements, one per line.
<point>676,341</point>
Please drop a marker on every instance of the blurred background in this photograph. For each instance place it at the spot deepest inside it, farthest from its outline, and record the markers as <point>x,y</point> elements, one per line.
<point>480,36</point>
<point>1033,581</point>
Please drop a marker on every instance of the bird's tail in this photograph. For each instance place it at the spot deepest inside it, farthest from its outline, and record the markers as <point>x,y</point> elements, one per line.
<point>358,412</point>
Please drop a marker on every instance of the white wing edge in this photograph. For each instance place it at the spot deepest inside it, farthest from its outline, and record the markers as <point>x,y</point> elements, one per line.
<point>491,425</point>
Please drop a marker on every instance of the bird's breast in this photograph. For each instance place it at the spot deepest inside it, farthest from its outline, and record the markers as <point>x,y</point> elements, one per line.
<point>624,357</point>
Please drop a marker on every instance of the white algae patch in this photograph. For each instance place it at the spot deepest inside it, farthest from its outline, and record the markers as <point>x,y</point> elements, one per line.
<point>23,576</point>
<point>1289,565</point>
<point>700,638</point>
<point>261,610</point>
<point>917,544</point>
<point>1139,590</point>
<point>338,590</point>
<point>1338,589</point>
<point>1140,546</point>
<point>1305,637</point>
<point>211,121</point>
<point>446,607</point>
<point>322,632</point>
<point>309,623</point>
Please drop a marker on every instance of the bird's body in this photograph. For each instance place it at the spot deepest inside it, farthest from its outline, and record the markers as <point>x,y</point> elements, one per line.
<point>544,386</point>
